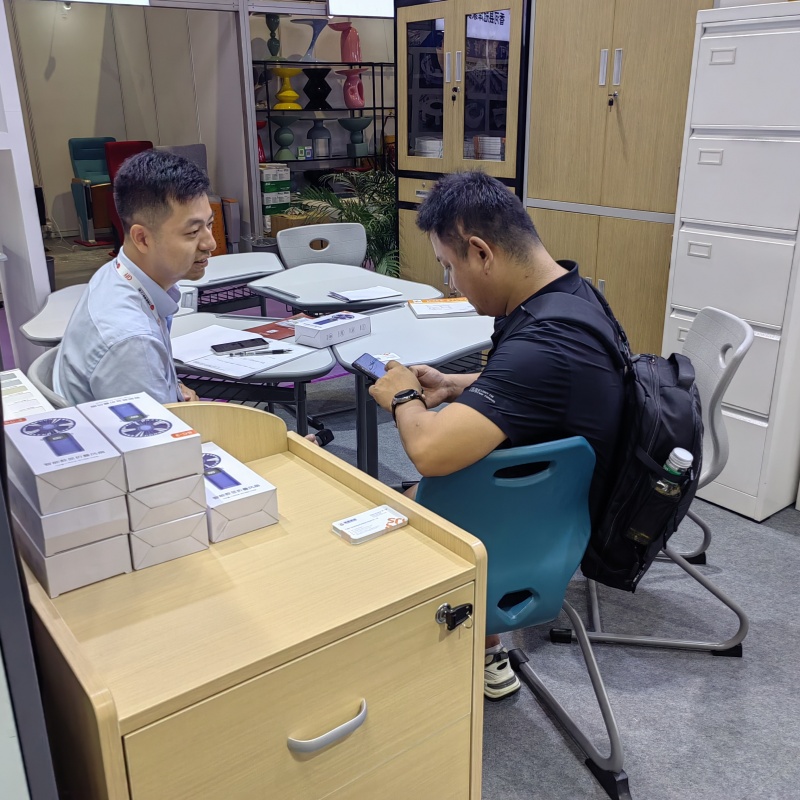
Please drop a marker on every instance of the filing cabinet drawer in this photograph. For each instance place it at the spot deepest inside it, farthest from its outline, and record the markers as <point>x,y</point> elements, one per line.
<point>751,387</point>
<point>416,679</point>
<point>748,80</point>
<point>745,276</point>
<point>746,439</point>
<point>742,181</point>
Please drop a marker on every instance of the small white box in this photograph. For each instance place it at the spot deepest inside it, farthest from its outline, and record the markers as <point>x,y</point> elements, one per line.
<point>165,502</point>
<point>65,530</point>
<point>239,500</point>
<point>62,461</point>
<point>331,329</point>
<point>369,524</point>
<point>74,568</point>
<point>180,537</point>
<point>155,444</point>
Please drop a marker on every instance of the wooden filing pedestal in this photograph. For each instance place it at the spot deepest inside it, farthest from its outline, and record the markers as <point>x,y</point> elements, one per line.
<point>185,680</point>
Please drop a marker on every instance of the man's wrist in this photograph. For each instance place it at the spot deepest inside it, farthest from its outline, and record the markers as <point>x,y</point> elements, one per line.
<point>405,397</point>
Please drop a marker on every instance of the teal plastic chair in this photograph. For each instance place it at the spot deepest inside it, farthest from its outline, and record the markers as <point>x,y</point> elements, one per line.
<point>530,508</point>
<point>89,168</point>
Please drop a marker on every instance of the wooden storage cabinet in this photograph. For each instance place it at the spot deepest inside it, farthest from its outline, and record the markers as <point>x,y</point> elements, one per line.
<point>418,261</point>
<point>736,235</point>
<point>237,740</point>
<point>186,680</point>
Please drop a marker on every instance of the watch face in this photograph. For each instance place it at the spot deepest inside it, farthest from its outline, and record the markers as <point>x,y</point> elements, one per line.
<point>407,394</point>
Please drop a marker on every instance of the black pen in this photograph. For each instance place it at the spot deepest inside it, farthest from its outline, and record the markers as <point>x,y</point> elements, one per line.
<point>260,353</point>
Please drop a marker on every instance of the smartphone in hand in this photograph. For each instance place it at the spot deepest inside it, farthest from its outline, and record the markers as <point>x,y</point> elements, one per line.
<point>244,344</point>
<point>370,366</point>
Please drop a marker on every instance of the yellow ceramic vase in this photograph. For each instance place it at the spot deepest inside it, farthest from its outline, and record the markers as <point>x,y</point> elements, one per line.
<point>287,97</point>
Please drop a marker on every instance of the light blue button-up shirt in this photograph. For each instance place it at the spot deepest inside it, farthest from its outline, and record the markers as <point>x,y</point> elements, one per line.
<point>114,344</point>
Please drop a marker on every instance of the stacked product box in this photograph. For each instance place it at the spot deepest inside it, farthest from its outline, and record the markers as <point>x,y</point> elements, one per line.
<point>239,500</point>
<point>67,499</point>
<point>276,187</point>
<point>164,473</point>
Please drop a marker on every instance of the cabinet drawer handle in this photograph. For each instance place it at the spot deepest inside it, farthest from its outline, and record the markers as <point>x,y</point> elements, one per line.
<point>346,728</point>
<point>447,67</point>
<point>603,67</point>
<point>601,287</point>
<point>459,65</point>
<point>616,76</point>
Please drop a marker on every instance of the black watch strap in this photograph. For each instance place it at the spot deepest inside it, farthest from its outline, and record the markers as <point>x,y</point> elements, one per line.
<point>401,398</point>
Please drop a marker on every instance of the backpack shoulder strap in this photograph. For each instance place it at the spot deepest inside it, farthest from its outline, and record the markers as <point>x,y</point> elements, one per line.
<point>564,307</point>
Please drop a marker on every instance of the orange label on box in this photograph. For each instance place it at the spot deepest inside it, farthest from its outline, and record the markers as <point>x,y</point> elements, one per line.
<point>14,421</point>
<point>183,433</point>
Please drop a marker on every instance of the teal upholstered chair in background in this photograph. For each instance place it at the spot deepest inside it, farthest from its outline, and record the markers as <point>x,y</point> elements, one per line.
<point>89,169</point>
<point>529,506</point>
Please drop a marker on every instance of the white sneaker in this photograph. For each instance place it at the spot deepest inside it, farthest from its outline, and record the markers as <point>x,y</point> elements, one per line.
<point>499,680</point>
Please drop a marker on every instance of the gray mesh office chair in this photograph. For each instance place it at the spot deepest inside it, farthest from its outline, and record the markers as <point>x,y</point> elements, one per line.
<point>344,243</point>
<point>40,374</point>
<point>716,344</point>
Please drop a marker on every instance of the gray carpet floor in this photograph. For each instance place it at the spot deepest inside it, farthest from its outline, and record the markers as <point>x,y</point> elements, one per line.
<point>692,725</point>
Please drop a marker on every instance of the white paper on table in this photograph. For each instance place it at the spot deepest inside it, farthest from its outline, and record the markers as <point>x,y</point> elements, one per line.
<point>371,293</point>
<point>194,345</point>
<point>244,366</point>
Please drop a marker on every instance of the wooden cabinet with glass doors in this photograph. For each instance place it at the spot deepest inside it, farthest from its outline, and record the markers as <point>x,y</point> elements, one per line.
<point>458,107</point>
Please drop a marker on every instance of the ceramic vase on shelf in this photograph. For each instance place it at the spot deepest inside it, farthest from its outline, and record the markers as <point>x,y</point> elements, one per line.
<point>349,42</point>
<point>317,89</point>
<point>320,138</point>
<point>353,89</point>
<point>317,25</point>
<point>284,136</point>
<point>355,126</point>
<point>287,96</point>
<point>273,45</point>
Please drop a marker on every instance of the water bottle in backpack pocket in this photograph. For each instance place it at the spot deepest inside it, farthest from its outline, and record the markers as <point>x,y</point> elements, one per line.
<point>660,500</point>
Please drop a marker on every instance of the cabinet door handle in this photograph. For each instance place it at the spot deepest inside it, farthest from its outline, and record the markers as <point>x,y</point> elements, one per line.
<point>603,67</point>
<point>345,729</point>
<point>459,65</point>
<point>616,76</point>
<point>601,287</point>
<point>447,60</point>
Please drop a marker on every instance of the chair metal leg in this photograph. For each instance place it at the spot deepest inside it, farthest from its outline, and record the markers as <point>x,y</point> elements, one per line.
<point>730,647</point>
<point>607,770</point>
<point>697,556</point>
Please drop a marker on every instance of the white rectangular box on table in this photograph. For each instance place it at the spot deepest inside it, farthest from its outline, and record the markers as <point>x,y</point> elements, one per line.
<point>331,329</point>
<point>72,569</point>
<point>65,530</point>
<point>174,539</point>
<point>167,501</point>
<point>156,445</point>
<point>239,500</point>
<point>61,460</point>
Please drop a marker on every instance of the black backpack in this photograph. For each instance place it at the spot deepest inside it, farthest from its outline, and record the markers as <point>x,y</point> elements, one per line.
<point>661,410</point>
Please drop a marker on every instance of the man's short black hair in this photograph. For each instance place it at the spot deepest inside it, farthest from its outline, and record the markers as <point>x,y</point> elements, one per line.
<point>475,204</point>
<point>147,182</point>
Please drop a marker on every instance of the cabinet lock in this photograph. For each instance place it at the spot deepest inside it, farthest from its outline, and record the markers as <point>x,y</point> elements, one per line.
<point>453,617</point>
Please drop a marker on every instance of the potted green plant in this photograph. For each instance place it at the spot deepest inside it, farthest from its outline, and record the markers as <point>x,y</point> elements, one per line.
<point>367,197</point>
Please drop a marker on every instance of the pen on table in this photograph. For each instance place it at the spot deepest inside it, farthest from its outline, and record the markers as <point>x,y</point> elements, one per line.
<point>259,352</point>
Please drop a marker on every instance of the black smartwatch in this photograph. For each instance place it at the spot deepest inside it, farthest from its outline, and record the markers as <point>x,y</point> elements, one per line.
<point>404,397</point>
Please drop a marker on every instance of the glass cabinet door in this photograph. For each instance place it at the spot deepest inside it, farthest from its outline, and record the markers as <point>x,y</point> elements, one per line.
<point>486,80</point>
<point>425,68</point>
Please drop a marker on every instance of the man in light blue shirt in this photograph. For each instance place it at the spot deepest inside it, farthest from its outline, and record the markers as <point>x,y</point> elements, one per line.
<point>117,340</point>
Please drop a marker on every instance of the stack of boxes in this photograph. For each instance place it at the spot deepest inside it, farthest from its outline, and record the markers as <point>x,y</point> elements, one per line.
<point>164,471</point>
<point>122,484</point>
<point>276,187</point>
<point>67,498</point>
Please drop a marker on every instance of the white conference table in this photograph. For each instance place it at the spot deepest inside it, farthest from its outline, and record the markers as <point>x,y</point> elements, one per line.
<point>298,372</point>
<point>306,288</point>
<point>415,341</point>
<point>48,326</point>
<point>235,270</point>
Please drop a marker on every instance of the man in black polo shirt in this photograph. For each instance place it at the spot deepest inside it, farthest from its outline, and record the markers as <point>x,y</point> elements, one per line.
<point>543,381</point>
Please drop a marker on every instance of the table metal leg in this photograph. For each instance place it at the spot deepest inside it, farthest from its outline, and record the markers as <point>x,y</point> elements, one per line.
<point>366,429</point>
<point>262,302</point>
<point>301,405</point>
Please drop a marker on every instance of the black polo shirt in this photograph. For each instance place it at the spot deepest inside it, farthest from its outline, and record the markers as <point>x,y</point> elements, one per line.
<point>550,380</point>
